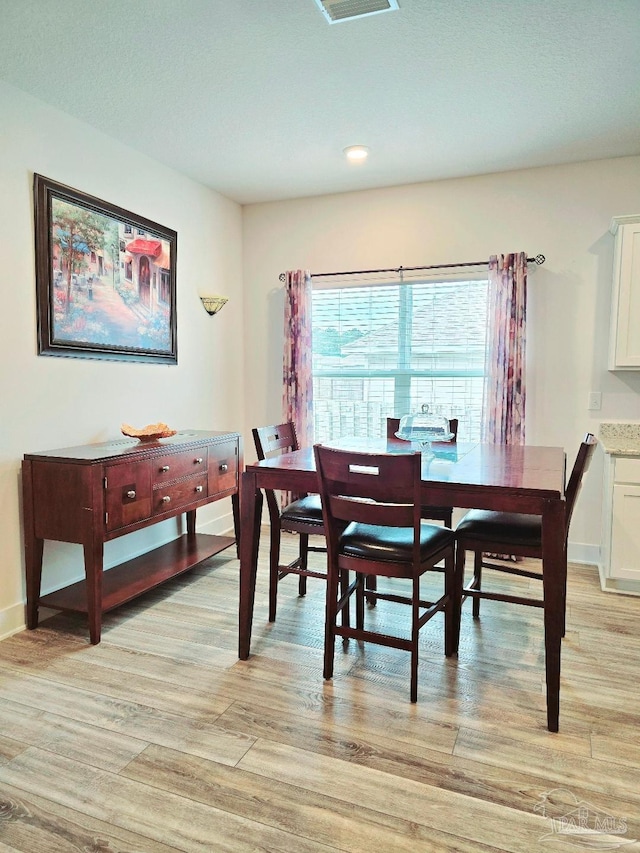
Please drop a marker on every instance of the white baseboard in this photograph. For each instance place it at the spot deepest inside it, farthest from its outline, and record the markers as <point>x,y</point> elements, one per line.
<point>12,620</point>
<point>578,552</point>
<point>622,587</point>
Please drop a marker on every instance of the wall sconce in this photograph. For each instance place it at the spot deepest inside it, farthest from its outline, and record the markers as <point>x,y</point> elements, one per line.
<point>212,304</point>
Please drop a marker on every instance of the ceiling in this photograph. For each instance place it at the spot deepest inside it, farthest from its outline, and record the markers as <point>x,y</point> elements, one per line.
<point>258,98</point>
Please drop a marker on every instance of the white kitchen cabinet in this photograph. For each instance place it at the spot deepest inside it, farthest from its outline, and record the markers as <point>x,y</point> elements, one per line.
<point>625,532</point>
<point>624,340</point>
<point>621,531</point>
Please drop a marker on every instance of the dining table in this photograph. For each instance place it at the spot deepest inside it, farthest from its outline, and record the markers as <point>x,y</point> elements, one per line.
<point>503,477</point>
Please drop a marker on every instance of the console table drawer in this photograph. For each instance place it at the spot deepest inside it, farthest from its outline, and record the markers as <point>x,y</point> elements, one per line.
<point>173,466</point>
<point>184,492</point>
<point>128,494</point>
<point>223,467</point>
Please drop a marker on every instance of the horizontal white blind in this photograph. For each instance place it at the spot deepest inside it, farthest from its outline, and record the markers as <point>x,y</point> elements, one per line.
<point>385,350</point>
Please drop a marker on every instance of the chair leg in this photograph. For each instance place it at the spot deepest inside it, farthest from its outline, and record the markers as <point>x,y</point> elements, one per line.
<point>344,586</point>
<point>564,598</point>
<point>451,632</point>
<point>274,562</point>
<point>477,582</point>
<point>457,595</point>
<point>304,561</point>
<point>371,584</point>
<point>360,602</point>
<point>415,616</point>
<point>330,621</point>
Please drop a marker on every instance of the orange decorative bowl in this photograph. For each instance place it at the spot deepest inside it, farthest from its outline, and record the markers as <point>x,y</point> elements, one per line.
<point>150,432</point>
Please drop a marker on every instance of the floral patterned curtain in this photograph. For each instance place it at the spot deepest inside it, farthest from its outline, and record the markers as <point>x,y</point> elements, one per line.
<point>505,394</point>
<point>297,375</point>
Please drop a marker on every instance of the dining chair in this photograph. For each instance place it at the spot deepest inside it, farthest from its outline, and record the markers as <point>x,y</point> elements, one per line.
<point>432,513</point>
<point>371,510</point>
<point>302,516</point>
<point>487,532</point>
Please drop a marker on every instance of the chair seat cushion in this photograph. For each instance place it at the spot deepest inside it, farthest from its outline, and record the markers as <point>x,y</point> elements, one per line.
<point>306,510</point>
<point>392,544</point>
<point>501,528</point>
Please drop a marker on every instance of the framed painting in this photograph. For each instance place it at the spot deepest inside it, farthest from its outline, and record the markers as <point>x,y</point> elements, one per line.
<point>105,279</point>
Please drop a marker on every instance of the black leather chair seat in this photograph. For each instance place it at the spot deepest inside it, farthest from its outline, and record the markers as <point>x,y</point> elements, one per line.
<point>307,510</point>
<point>504,527</point>
<point>392,544</point>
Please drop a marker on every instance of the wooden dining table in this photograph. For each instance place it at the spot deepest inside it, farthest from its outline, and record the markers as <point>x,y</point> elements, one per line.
<point>508,478</point>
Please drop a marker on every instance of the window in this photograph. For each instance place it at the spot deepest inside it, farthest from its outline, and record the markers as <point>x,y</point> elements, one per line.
<point>383,350</point>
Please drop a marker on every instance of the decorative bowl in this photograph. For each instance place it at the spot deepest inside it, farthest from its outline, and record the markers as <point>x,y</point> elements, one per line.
<point>150,432</point>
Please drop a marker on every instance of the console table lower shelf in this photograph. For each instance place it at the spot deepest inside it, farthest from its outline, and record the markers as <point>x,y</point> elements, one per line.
<point>129,580</point>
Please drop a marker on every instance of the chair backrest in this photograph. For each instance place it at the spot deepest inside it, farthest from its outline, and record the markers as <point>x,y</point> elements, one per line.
<point>371,488</point>
<point>274,440</point>
<point>580,467</point>
<point>393,425</point>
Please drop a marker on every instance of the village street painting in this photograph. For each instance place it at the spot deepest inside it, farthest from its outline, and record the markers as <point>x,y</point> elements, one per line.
<point>110,281</point>
<point>111,286</point>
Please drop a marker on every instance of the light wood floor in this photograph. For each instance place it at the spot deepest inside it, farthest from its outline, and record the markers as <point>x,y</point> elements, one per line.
<point>159,739</point>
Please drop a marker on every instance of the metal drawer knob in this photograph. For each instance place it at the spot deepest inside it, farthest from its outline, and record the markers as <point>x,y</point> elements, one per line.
<point>166,499</point>
<point>198,460</point>
<point>165,468</point>
<point>198,488</point>
<point>223,468</point>
<point>131,494</point>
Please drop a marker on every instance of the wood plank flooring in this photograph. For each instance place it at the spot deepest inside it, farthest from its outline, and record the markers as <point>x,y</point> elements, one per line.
<point>159,739</point>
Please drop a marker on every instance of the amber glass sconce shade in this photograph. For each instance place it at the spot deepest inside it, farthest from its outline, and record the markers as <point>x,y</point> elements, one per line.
<point>212,304</point>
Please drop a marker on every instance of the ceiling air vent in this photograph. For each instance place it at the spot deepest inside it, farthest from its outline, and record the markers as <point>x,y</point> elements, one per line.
<point>336,11</point>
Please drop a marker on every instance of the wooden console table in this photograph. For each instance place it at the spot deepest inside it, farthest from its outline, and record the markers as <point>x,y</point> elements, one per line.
<point>97,492</point>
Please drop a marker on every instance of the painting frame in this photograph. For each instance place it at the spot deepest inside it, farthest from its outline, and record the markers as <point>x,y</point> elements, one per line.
<point>105,279</point>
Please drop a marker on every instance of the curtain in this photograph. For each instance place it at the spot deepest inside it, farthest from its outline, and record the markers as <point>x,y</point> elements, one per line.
<point>505,387</point>
<point>505,392</point>
<point>297,401</point>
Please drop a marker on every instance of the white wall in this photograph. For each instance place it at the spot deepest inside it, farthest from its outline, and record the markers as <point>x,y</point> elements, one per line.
<point>562,212</point>
<point>52,402</point>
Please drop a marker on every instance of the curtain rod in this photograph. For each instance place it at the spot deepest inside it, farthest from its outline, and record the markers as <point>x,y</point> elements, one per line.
<point>538,259</point>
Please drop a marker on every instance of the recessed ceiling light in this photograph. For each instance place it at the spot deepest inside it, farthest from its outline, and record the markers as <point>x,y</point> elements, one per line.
<point>357,153</point>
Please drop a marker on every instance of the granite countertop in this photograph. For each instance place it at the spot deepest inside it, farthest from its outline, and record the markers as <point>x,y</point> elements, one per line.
<point>620,439</point>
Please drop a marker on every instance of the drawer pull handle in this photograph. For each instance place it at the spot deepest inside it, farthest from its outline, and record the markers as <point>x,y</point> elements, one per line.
<point>197,460</point>
<point>198,488</point>
<point>223,468</point>
<point>131,494</point>
<point>166,499</point>
<point>165,468</point>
